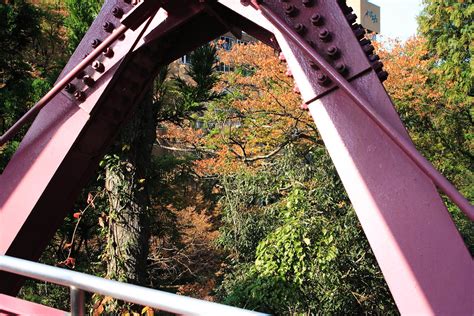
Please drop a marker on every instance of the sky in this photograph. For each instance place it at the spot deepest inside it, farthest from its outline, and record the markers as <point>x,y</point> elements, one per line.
<point>398,17</point>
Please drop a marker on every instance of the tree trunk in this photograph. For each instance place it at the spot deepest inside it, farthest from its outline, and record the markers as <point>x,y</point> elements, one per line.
<point>128,195</point>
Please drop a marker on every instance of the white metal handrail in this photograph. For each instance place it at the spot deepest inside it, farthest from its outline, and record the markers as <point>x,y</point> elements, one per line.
<point>80,282</point>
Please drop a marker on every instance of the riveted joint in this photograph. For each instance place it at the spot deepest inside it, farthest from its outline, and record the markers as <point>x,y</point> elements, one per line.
<point>323,79</point>
<point>325,35</point>
<point>300,28</point>
<point>108,27</point>
<point>333,52</point>
<point>108,52</point>
<point>70,88</point>
<point>317,19</point>
<point>342,68</point>
<point>290,10</point>
<point>80,96</point>
<point>98,66</point>
<point>117,12</point>
<point>95,43</point>
<point>383,75</point>
<point>88,81</point>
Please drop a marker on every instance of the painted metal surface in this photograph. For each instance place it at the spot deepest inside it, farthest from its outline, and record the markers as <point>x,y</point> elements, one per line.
<point>423,258</point>
<point>10,306</point>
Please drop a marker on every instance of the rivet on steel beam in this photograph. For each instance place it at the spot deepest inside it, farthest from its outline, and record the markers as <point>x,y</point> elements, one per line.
<point>377,66</point>
<point>346,9</point>
<point>359,32</point>
<point>300,28</point>
<point>95,43</point>
<point>88,81</point>
<point>374,57</point>
<point>351,18</point>
<point>383,75</point>
<point>333,52</point>
<point>368,49</point>
<point>325,35</point>
<point>307,3</point>
<point>108,27</point>
<point>108,52</point>
<point>322,79</point>
<point>342,68</point>
<point>70,88</point>
<point>98,66</point>
<point>80,96</point>
<point>317,19</point>
<point>117,12</point>
<point>290,10</point>
<point>364,41</point>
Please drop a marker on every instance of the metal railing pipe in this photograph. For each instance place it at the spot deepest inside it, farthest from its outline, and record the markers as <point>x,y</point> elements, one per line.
<point>77,301</point>
<point>163,301</point>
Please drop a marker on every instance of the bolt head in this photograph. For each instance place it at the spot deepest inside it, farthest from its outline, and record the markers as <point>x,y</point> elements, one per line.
<point>95,43</point>
<point>117,12</point>
<point>108,27</point>
<point>290,10</point>
<point>325,35</point>
<point>88,81</point>
<point>70,88</point>
<point>317,19</point>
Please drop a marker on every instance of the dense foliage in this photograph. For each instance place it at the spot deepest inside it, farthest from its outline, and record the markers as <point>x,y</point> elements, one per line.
<point>448,26</point>
<point>19,25</point>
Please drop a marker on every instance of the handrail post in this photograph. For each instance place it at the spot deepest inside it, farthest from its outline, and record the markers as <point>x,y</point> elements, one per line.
<point>77,301</point>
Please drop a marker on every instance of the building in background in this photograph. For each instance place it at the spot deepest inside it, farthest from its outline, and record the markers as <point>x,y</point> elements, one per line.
<point>368,14</point>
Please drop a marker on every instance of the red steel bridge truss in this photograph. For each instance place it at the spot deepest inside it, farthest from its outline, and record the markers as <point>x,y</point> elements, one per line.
<point>394,190</point>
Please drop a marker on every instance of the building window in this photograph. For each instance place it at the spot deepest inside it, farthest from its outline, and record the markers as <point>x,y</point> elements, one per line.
<point>186,59</point>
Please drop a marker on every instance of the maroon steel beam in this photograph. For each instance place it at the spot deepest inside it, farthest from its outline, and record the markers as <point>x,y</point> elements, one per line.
<point>405,145</point>
<point>132,21</point>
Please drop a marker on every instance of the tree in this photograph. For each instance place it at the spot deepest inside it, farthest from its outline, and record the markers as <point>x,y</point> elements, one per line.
<point>448,26</point>
<point>81,14</point>
<point>19,25</point>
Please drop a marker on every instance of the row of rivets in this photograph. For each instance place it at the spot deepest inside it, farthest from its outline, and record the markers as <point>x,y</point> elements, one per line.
<point>367,47</point>
<point>108,27</point>
<point>324,35</point>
